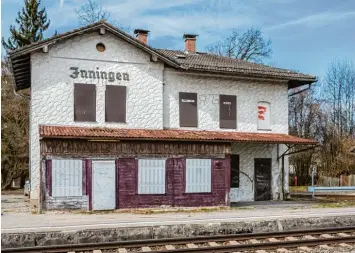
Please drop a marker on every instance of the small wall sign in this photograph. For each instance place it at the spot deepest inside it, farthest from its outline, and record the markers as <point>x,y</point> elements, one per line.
<point>110,76</point>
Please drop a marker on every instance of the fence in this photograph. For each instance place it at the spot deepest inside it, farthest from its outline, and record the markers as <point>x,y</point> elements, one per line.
<point>333,181</point>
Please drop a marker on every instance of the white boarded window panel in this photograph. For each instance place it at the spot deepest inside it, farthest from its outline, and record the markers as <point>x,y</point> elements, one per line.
<point>264,115</point>
<point>151,176</point>
<point>67,178</point>
<point>198,175</point>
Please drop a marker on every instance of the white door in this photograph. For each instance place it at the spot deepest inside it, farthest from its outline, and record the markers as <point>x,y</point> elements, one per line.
<point>103,185</point>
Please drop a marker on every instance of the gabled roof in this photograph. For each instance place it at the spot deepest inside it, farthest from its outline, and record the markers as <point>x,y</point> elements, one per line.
<point>167,135</point>
<point>201,62</point>
<point>207,62</point>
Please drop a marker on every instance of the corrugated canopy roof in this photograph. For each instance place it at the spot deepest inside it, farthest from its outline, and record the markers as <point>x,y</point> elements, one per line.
<point>201,62</point>
<point>168,135</point>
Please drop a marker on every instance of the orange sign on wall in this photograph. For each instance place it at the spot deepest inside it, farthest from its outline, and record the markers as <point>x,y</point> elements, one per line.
<point>261,112</point>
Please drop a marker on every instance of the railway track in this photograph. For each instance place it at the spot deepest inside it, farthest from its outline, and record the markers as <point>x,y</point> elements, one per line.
<point>345,237</point>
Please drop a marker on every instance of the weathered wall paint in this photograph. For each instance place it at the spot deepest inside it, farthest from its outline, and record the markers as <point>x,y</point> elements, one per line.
<point>247,153</point>
<point>149,105</point>
<point>52,100</point>
<point>175,186</point>
<point>208,89</point>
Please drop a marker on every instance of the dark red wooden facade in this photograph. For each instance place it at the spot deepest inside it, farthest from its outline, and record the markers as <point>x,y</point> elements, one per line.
<point>127,170</point>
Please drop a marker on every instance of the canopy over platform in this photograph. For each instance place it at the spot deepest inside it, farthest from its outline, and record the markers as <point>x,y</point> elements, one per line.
<point>168,135</point>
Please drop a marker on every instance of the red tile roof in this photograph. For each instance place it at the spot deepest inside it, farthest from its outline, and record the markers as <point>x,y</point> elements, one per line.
<point>205,62</point>
<point>184,135</point>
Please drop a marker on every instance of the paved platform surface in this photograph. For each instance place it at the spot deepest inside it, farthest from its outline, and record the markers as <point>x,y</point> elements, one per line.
<point>24,222</point>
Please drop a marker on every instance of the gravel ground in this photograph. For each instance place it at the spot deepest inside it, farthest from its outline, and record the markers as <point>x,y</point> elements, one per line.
<point>15,203</point>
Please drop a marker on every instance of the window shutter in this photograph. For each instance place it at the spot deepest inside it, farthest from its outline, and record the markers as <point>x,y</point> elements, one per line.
<point>84,102</point>
<point>228,111</point>
<point>49,177</point>
<point>115,103</point>
<point>234,171</point>
<point>151,176</point>
<point>198,175</point>
<point>188,109</point>
<point>67,178</point>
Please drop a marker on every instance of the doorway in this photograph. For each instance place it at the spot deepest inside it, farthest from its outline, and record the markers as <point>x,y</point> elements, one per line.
<point>103,185</point>
<point>262,179</point>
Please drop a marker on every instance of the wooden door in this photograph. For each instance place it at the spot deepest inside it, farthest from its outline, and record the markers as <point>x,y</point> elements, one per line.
<point>103,185</point>
<point>262,179</point>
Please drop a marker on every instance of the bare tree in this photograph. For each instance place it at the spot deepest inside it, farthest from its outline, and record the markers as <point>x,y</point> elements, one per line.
<point>91,12</point>
<point>14,131</point>
<point>328,117</point>
<point>249,46</point>
<point>339,92</point>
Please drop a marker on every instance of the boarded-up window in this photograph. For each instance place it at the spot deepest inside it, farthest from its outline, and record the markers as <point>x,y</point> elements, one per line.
<point>115,103</point>
<point>188,109</point>
<point>264,115</point>
<point>234,171</point>
<point>67,178</point>
<point>84,102</point>
<point>228,111</point>
<point>198,175</point>
<point>151,176</point>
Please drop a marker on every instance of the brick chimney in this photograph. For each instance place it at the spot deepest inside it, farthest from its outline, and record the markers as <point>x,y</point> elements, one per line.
<point>141,35</point>
<point>190,42</point>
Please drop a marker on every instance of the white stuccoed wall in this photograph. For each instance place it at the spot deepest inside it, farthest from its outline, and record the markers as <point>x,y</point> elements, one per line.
<point>208,90</point>
<point>52,100</point>
<point>248,93</point>
<point>247,153</point>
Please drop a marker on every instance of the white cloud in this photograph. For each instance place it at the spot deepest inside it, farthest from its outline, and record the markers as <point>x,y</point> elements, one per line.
<point>316,20</point>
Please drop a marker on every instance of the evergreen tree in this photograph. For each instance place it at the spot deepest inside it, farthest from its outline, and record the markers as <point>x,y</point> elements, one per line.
<point>32,22</point>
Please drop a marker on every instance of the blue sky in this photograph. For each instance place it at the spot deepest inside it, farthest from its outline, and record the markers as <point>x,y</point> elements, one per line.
<point>306,34</point>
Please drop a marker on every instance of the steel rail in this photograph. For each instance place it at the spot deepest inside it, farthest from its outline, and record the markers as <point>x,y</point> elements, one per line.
<point>200,239</point>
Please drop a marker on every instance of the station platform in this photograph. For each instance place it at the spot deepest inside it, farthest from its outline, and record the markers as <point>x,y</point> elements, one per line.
<point>66,221</point>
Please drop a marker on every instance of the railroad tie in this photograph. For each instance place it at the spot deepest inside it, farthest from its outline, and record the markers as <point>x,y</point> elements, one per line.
<point>146,249</point>
<point>291,238</point>
<point>309,237</point>
<point>343,234</point>
<point>261,251</point>
<point>122,250</point>
<point>282,250</point>
<point>326,236</point>
<point>345,245</point>
<point>234,243</point>
<point>254,241</point>
<point>169,247</point>
<point>191,246</point>
<point>273,239</point>
<point>325,246</point>
<point>306,249</point>
<point>97,251</point>
<point>213,244</point>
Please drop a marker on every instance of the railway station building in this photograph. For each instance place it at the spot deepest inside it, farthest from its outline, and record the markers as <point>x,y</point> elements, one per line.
<point>116,123</point>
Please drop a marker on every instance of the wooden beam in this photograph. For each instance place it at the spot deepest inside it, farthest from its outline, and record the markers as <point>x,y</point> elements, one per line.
<point>102,30</point>
<point>23,74</point>
<point>19,70</point>
<point>45,49</point>
<point>154,58</point>
<point>20,60</point>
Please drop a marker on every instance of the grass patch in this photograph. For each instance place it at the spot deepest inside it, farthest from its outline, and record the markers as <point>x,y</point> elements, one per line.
<point>298,188</point>
<point>145,211</point>
<point>243,207</point>
<point>335,204</point>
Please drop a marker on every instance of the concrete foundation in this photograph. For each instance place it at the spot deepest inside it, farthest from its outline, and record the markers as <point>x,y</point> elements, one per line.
<point>29,239</point>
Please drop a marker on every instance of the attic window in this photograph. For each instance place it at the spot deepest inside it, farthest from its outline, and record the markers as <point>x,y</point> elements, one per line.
<point>100,47</point>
